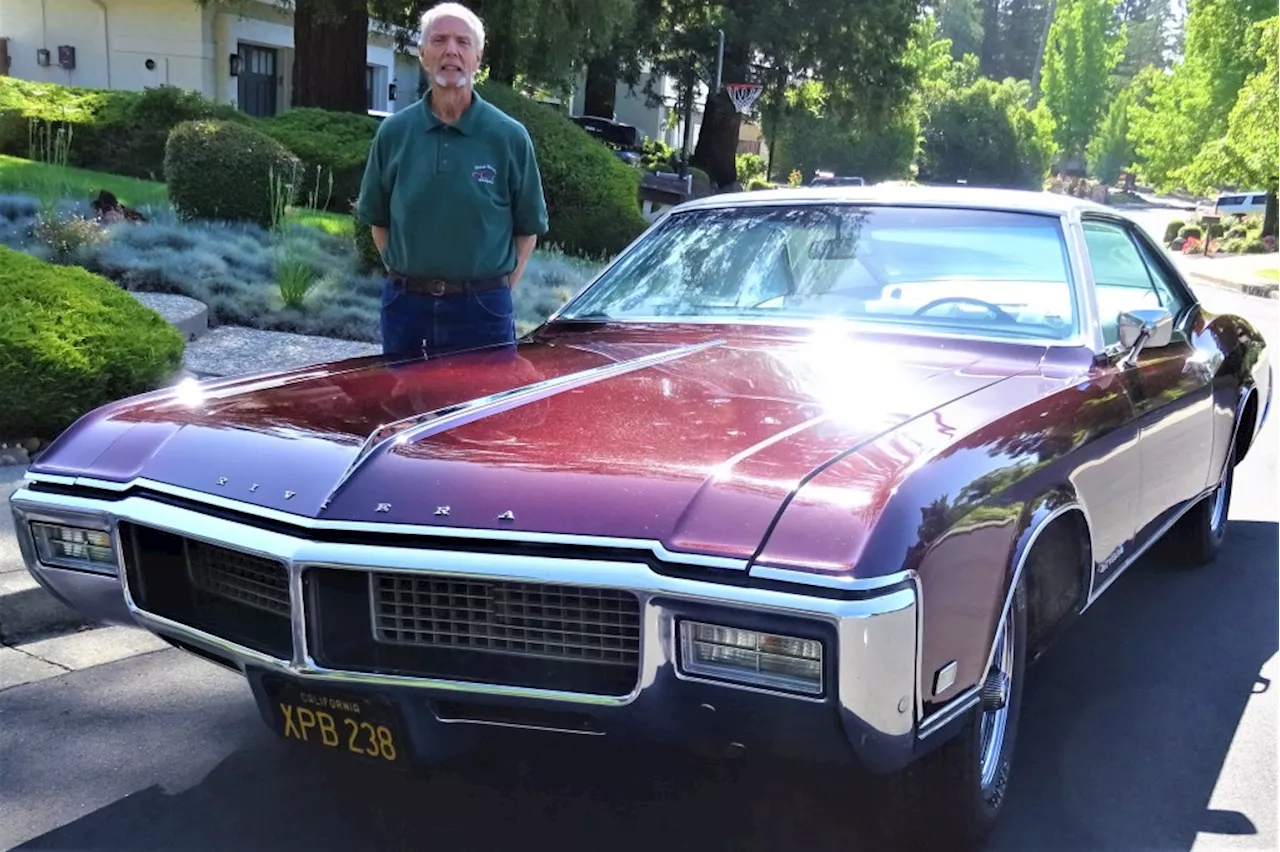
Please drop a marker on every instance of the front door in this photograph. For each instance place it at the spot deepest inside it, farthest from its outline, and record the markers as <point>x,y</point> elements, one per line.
<point>1171,394</point>
<point>257,80</point>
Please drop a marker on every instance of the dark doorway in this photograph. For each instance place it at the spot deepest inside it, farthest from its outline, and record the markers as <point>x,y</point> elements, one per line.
<point>257,80</point>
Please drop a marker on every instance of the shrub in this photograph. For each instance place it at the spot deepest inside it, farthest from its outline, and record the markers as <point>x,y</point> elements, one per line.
<point>333,146</point>
<point>1254,245</point>
<point>368,258</point>
<point>27,107</point>
<point>136,131</point>
<point>77,341</point>
<point>593,198</point>
<point>224,170</point>
<point>1172,230</point>
<point>1188,231</point>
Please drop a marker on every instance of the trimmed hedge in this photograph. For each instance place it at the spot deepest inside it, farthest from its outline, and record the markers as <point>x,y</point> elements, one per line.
<point>71,341</point>
<point>328,144</point>
<point>121,132</point>
<point>225,170</point>
<point>593,200</point>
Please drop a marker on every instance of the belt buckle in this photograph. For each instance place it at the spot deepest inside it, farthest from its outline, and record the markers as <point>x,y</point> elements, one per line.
<point>436,286</point>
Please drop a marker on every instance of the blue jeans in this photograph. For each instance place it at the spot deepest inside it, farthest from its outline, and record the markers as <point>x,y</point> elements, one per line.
<point>416,324</point>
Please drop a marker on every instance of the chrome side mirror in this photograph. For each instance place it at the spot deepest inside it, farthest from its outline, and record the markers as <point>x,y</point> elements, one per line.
<point>1143,329</point>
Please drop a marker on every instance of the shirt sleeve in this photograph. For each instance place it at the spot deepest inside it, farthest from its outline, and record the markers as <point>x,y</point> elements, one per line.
<point>528,205</point>
<point>373,207</point>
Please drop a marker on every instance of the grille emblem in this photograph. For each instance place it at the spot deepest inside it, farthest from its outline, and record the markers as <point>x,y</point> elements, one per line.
<point>384,507</point>
<point>222,480</point>
<point>507,516</point>
<point>442,510</point>
<point>288,495</point>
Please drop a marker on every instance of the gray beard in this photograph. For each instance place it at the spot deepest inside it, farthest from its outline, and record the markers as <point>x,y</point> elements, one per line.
<point>464,81</point>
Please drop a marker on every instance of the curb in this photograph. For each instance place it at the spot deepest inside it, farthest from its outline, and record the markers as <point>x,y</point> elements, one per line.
<point>1261,291</point>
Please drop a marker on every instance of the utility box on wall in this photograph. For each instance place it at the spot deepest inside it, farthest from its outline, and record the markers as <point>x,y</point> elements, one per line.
<point>67,56</point>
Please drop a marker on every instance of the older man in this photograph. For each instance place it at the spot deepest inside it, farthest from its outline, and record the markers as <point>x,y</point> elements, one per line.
<point>454,198</point>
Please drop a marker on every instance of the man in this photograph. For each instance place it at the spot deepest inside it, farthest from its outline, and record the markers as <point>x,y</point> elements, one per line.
<point>454,198</point>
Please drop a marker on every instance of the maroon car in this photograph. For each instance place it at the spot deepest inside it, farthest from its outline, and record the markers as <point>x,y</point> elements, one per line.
<point>813,473</point>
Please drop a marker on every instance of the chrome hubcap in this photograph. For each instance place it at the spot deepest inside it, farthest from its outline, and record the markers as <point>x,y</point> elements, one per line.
<point>995,704</point>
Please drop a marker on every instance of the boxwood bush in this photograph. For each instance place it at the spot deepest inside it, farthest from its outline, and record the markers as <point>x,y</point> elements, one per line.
<point>71,341</point>
<point>328,144</point>
<point>229,171</point>
<point>593,200</point>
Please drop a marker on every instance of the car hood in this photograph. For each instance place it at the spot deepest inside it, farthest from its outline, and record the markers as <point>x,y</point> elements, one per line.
<point>693,440</point>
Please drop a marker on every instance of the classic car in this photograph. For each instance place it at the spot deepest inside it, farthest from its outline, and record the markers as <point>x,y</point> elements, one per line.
<point>812,473</point>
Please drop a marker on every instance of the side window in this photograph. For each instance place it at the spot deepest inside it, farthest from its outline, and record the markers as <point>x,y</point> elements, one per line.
<point>1123,279</point>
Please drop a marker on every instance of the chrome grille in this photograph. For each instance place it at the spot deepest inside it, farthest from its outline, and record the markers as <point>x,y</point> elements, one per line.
<point>519,619</point>
<point>242,577</point>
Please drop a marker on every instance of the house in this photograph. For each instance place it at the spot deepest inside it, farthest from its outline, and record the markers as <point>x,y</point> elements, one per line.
<point>233,53</point>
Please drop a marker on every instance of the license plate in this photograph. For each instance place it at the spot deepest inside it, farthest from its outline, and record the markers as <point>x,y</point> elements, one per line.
<point>355,724</point>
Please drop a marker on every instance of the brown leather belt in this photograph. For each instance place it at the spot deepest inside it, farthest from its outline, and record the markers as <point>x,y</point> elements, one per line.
<point>444,286</point>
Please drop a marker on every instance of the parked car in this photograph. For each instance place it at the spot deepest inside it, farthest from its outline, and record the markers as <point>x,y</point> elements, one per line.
<point>1241,204</point>
<point>832,179</point>
<point>624,140</point>
<point>808,473</point>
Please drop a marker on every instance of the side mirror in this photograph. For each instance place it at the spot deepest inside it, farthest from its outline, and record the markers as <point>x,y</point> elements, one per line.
<point>1145,328</point>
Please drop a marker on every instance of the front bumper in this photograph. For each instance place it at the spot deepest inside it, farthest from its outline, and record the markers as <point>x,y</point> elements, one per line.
<point>867,714</point>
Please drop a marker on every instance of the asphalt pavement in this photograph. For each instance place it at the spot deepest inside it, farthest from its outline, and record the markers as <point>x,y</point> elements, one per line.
<point>1151,726</point>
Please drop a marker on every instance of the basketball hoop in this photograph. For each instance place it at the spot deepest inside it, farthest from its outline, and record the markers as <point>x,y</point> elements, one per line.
<point>743,95</point>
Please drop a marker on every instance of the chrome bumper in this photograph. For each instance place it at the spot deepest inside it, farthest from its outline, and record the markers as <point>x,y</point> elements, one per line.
<point>873,703</point>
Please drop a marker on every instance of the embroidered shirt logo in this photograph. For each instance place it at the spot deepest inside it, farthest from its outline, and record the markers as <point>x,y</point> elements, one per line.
<point>485,173</point>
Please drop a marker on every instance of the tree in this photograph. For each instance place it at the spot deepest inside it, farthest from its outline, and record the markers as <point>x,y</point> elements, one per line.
<point>1248,155</point>
<point>1084,47</point>
<point>330,40</point>
<point>1151,39</point>
<point>985,135</point>
<point>1110,152</point>
<point>854,48</point>
<point>548,40</point>
<point>960,22</point>
<point>1189,107</point>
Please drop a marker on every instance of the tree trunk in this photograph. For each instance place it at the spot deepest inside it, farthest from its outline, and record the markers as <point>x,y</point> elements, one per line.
<point>1269,215</point>
<point>716,152</point>
<point>331,39</point>
<point>601,88</point>
<point>1044,42</point>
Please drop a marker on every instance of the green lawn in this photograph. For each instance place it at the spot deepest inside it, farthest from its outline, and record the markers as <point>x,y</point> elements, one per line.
<point>49,182</point>
<point>1270,274</point>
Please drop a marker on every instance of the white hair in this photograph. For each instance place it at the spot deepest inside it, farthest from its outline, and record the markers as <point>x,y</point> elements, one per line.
<point>452,10</point>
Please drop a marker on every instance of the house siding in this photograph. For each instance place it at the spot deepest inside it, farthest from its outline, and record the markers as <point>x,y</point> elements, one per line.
<point>185,45</point>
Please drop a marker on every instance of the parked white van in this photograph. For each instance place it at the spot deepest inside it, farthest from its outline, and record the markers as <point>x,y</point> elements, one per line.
<point>1241,204</point>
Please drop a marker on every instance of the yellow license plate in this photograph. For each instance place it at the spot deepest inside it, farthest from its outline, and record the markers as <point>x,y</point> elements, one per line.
<point>354,724</point>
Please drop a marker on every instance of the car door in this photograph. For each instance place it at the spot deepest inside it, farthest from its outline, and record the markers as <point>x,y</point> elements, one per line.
<point>1169,386</point>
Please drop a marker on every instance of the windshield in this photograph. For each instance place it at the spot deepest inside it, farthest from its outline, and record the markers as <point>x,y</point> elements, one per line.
<point>979,272</point>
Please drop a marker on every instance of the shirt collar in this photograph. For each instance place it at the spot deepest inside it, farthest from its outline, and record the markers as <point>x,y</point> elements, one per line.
<point>466,124</point>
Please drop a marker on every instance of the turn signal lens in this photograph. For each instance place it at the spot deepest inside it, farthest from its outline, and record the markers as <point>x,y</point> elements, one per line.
<point>750,657</point>
<point>74,547</point>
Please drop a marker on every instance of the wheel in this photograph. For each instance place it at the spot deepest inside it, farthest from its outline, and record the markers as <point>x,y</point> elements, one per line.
<point>1201,531</point>
<point>952,798</point>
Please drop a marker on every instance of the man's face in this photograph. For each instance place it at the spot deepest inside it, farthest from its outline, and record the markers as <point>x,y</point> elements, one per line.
<point>449,53</point>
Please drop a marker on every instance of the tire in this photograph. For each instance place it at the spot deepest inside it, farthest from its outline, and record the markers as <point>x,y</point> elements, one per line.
<point>1201,531</point>
<point>942,801</point>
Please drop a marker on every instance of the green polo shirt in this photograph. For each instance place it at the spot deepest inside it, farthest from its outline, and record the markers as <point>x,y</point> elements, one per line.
<point>453,198</point>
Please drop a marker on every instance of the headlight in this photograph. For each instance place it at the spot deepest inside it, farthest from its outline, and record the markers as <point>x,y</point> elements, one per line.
<point>748,656</point>
<point>74,547</point>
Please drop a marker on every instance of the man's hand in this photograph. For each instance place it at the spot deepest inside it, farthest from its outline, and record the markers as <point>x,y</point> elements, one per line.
<point>524,248</point>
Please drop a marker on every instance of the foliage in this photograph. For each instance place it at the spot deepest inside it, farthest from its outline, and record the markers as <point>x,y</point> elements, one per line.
<point>77,341</point>
<point>592,196</point>
<point>1172,229</point>
<point>224,170</point>
<point>985,135</point>
<point>810,141</point>
<point>751,167</point>
<point>1247,154</point>
<point>66,235</point>
<point>1083,49</point>
<point>333,148</point>
<point>1111,152</point>
<point>36,178</point>
<point>1183,111</point>
<point>960,23</point>
<point>368,258</point>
